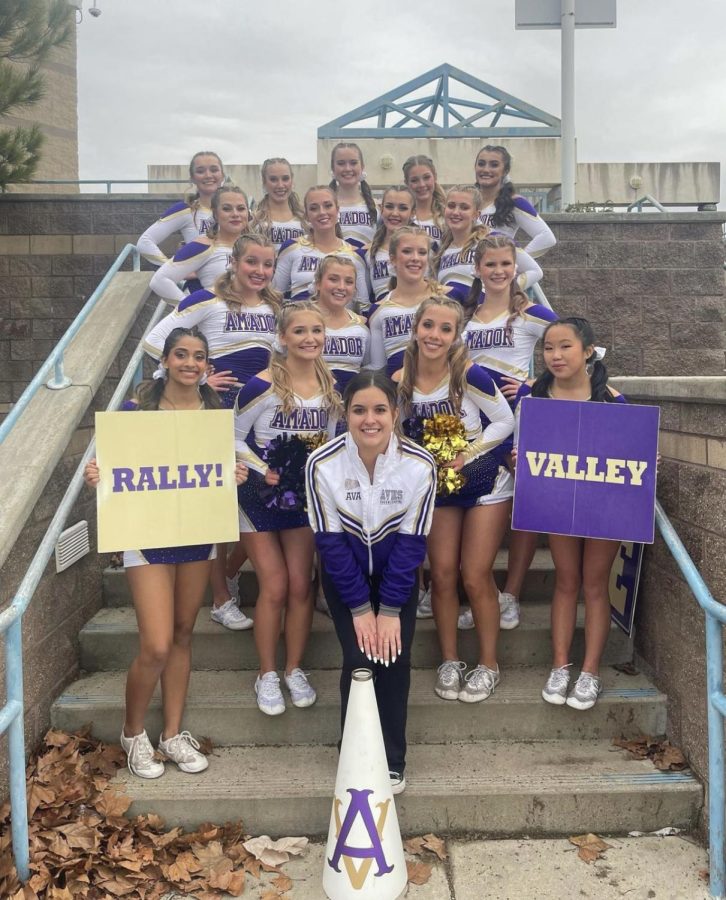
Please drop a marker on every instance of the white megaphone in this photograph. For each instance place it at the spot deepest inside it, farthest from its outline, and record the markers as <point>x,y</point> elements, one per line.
<point>364,857</point>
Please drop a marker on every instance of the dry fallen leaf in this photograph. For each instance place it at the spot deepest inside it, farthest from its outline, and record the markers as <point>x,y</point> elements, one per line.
<point>274,853</point>
<point>414,846</point>
<point>435,845</point>
<point>282,883</point>
<point>661,752</point>
<point>590,846</point>
<point>418,872</point>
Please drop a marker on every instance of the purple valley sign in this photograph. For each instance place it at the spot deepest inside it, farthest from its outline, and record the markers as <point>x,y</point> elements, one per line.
<point>586,469</point>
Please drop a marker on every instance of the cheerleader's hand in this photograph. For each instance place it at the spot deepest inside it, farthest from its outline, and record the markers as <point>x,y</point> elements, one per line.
<point>91,475</point>
<point>241,473</point>
<point>272,477</point>
<point>510,387</point>
<point>457,463</point>
<point>389,638</point>
<point>365,634</point>
<point>222,382</point>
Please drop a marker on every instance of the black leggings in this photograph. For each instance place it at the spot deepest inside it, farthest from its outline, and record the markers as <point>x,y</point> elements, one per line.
<point>391,682</point>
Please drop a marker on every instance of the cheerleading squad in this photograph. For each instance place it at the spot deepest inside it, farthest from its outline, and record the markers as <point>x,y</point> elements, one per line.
<point>374,360</point>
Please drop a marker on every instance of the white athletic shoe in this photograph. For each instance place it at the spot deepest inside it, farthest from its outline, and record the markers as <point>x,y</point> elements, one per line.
<point>183,750</point>
<point>508,611</point>
<point>302,693</point>
<point>423,609</point>
<point>140,756</point>
<point>465,622</point>
<point>231,616</point>
<point>269,696</point>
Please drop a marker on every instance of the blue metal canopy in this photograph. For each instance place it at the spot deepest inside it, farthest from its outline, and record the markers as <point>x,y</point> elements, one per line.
<point>439,113</point>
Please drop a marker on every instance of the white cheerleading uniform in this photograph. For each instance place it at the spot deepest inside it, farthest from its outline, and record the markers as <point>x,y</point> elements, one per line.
<point>488,421</point>
<point>298,261</point>
<point>379,275</point>
<point>281,232</point>
<point>528,219</point>
<point>239,342</point>
<point>357,225</point>
<point>456,271</point>
<point>507,351</point>
<point>191,223</point>
<point>346,349</point>
<point>434,231</point>
<point>390,325</point>
<point>209,261</point>
<point>369,528</point>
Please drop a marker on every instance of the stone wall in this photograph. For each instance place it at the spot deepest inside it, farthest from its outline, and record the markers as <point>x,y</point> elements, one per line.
<point>651,284</point>
<point>53,253</point>
<point>670,636</point>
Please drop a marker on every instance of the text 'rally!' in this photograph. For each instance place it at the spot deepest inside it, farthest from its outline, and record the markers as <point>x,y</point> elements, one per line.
<point>167,478</point>
<point>589,468</point>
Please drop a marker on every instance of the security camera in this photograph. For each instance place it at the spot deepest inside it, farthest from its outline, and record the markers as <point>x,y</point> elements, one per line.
<point>95,11</point>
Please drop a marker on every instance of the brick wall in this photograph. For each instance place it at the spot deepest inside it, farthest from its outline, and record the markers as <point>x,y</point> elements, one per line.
<point>651,284</point>
<point>670,636</point>
<point>53,253</point>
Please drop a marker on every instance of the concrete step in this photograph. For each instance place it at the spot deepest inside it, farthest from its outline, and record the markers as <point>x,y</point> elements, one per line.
<point>498,788</point>
<point>222,705</point>
<point>109,642</point>
<point>538,584</point>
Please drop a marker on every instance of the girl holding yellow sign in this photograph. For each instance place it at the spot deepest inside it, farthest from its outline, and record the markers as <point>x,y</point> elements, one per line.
<point>167,584</point>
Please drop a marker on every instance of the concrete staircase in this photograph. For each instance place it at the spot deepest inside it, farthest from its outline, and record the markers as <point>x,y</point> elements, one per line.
<point>508,766</point>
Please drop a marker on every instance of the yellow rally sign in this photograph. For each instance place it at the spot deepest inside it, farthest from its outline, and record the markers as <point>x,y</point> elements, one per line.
<point>167,479</point>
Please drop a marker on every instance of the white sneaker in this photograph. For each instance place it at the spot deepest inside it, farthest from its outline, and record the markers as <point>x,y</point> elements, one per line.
<point>585,692</point>
<point>231,616</point>
<point>398,782</point>
<point>183,750</point>
<point>465,622</point>
<point>555,689</point>
<point>450,679</point>
<point>302,693</point>
<point>140,756</point>
<point>423,609</point>
<point>508,611</point>
<point>479,684</point>
<point>269,696</point>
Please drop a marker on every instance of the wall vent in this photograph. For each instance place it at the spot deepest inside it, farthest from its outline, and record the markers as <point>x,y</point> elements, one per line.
<point>72,545</point>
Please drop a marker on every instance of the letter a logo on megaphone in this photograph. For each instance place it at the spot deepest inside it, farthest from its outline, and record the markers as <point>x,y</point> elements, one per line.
<point>360,806</point>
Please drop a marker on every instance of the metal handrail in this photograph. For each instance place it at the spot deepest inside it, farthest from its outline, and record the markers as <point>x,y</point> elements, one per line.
<point>645,200</point>
<point>59,381</point>
<point>107,181</point>
<point>11,714</point>
<point>716,701</point>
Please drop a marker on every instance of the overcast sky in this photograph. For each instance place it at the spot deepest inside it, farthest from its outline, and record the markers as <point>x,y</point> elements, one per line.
<point>158,81</point>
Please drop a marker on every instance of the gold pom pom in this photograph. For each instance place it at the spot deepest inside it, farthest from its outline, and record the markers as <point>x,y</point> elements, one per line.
<point>444,437</point>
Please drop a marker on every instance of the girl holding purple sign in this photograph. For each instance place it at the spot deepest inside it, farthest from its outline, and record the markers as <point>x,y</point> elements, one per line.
<point>167,584</point>
<point>575,372</point>
<point>442,390</point>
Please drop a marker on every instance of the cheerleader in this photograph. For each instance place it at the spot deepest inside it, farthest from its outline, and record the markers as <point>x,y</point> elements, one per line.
<point>385,486</point>
<point>358,213</point>
<point>504,210</point>
<point>295,396</point>
<point>346,333</point>
<point>298,260</point>
<point>501,334</point>
<point>279,214</point>
<point>454,260</point>
<point>396,211</point>
<point>209,255</point>
<point>419,173</point>
<point>574,371</point>
<point>438,378</point>
<point>190,216</point>
<point>391,320</point>
<point>238,319</point>
<point>167,585</point>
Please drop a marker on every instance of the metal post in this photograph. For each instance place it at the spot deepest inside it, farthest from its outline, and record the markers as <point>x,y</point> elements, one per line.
<point>60,380</point>
<point>567,143</point>
<point>714,683</point>
<point>16,749</point>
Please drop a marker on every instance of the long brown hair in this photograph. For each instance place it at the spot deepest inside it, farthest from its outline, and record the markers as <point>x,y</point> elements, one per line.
<point>438,198</point>
<point>379,235</point>
<point>279,374</point>
<point>457,358</point>
<point>223,284</point>
<point>225,189</point>
<point>331,191</point>
<point>262,213</point>
<point>149,393</point>
<point>518,300</point>
<point>191,197</point>
<point>365,188</point>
